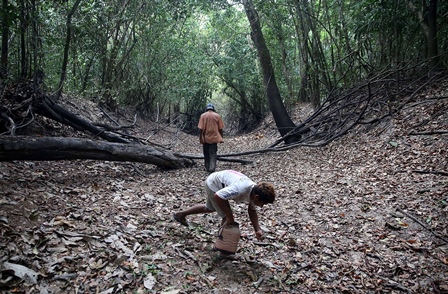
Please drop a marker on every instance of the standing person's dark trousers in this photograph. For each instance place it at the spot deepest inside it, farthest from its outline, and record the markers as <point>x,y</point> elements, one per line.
<point>210,156</point>
<point>210,125</point>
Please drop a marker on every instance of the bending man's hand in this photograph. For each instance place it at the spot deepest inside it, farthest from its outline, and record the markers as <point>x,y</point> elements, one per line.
<point>259,235</point>
<point>230,221</point>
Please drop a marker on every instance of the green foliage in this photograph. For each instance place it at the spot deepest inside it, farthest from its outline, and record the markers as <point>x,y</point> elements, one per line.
<point>168,58</point>
<point>235,65</point>
<point>382,29</point>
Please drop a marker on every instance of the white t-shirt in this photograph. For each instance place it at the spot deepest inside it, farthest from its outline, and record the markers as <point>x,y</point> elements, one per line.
<point>230,184</point>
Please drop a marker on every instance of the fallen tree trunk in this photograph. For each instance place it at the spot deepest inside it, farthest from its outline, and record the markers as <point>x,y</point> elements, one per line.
<point>61,148</point>
<point>221,157</point>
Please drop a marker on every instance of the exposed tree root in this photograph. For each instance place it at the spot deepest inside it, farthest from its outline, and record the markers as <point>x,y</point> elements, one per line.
<point>381,96</point>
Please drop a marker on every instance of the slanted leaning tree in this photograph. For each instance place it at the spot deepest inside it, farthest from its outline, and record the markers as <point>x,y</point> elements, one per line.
<point>282,119</point>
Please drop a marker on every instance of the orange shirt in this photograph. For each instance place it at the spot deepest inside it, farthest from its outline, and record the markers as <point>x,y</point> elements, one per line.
<point>210,124</point>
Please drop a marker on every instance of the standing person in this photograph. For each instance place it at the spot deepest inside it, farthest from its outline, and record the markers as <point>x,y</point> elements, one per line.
<point>226,185</point>
<point>210,126</point>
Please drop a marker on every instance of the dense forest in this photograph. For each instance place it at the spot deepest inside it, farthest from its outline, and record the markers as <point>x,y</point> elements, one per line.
<point>340,104</point>
<point>167,59</point>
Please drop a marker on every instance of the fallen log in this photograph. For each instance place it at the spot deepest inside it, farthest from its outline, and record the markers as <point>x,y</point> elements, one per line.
<point>62,148</point>
<point>223,157</point>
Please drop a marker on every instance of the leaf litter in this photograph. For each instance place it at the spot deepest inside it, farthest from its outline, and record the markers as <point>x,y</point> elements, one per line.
<point>364,214</point>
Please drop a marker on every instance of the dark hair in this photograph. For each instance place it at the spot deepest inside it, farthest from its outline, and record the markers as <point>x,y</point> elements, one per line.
<point>265,192</point>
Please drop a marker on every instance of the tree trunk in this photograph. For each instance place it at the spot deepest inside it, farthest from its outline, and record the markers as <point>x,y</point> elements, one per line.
<point>24,18</point>
<point>50,109</point>
<point>433,50</point>
<point>59,148</point>
<point>427,17</point>
<point>281,116</point>
<point>66,49</point>
<point>302,30</point>
<point>5,39</point>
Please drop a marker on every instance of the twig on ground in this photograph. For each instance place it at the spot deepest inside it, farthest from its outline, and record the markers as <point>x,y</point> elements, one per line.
<point>397,286</point>
<point>258,282</point>
<point>267,244</point>
<point>436,172</point>
<point>423,225</point>
<point>436,132</point>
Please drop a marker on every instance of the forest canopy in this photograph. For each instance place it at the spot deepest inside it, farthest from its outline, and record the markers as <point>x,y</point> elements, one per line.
<point>169,58</point>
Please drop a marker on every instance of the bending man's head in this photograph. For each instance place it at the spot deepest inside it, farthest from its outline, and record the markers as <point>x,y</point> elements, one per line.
<point>265,192</point>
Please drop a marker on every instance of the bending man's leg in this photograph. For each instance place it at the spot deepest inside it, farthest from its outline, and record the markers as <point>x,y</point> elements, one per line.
<point>181,215</point>
<point>197,209</point>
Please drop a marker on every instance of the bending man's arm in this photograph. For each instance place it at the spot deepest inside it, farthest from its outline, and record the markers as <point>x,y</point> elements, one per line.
<point>253,216</point>
<point>225,207</point>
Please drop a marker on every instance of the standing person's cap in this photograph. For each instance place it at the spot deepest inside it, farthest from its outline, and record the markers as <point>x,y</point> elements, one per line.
<point>210,107</point>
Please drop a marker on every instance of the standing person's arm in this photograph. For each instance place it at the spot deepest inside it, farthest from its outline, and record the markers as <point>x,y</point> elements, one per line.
<point>201,136</point>
<point>220,128</point>
<point>201,127</point>
<point>253,216</point>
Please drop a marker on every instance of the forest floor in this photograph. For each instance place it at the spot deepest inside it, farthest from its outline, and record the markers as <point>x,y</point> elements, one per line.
<point>367,213</point>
